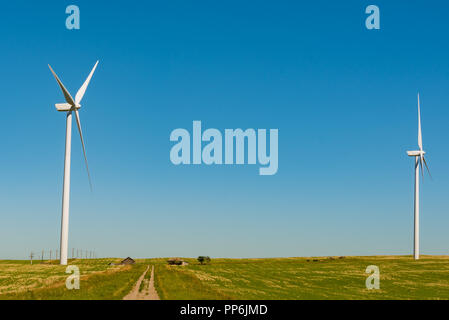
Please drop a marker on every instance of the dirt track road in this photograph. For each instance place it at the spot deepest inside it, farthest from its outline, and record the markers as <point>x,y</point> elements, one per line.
<point>148,292</point>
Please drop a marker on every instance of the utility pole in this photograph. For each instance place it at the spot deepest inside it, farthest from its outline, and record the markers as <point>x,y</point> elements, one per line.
<point>31,257</point>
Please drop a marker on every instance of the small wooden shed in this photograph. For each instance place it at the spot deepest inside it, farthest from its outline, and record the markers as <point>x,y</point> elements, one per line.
<point>123,262</point>
<point>128,261</point>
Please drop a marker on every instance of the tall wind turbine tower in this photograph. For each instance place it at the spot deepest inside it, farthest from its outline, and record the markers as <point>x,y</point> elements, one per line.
<point>71,106</point>
<point>419,159</point>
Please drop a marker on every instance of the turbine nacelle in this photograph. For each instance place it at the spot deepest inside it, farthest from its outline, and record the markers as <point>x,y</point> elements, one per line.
<point>416,153</point>
<point>64,107</point>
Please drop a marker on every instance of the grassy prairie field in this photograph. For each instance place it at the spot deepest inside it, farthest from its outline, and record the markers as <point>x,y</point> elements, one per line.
<point>98,280</point>
<point>305,278</point>
<point>278,278</point>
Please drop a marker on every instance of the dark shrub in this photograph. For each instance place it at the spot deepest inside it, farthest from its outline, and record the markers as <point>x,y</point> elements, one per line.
<point>203,259</point>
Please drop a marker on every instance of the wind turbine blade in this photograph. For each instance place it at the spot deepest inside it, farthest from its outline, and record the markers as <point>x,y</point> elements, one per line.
<point>428,171</point>
<point>66,93</point>
<point>82,90</point>
<point>78,122</point>
<point>419,127</point>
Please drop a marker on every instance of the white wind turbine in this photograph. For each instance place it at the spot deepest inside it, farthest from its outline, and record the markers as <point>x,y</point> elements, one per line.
<point>69,107</point>
<point>419,159</point>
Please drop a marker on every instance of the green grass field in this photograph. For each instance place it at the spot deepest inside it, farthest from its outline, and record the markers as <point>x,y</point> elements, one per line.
<point>303,278</point>
<point>285,278</point>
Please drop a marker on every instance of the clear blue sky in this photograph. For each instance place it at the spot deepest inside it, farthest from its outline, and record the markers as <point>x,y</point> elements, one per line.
<point>342,97</point>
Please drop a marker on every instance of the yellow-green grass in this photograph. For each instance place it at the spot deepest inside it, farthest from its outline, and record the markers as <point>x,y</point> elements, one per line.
<point>401,277</point>
<point>98,280</point>
<point>282,278</point>
<point>175,283</point>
